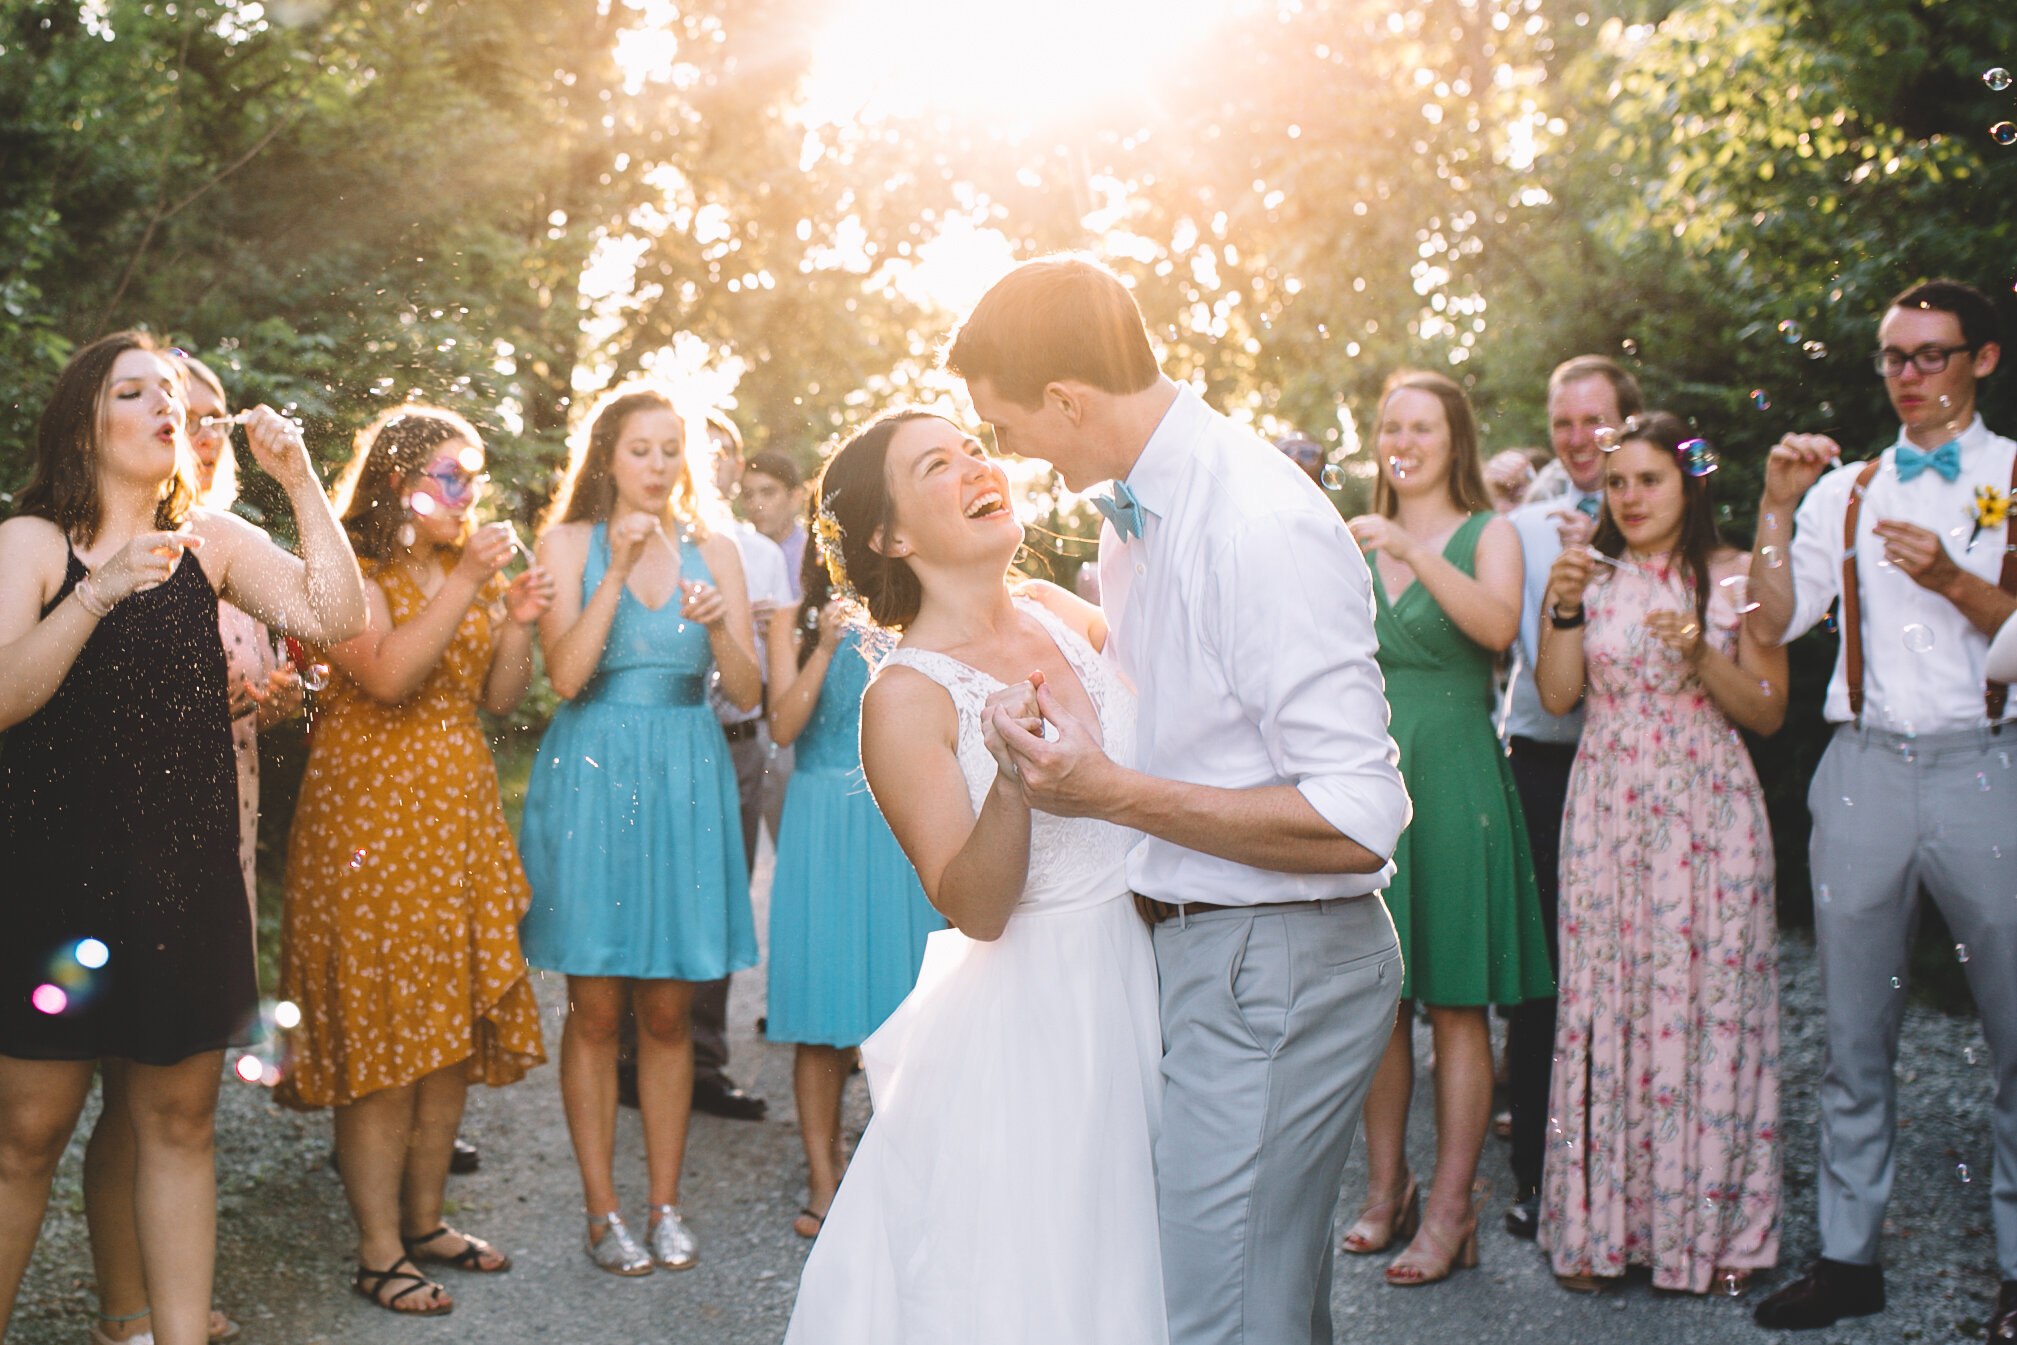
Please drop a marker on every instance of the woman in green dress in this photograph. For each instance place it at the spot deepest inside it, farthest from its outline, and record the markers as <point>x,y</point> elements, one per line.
<point>1447,577</point>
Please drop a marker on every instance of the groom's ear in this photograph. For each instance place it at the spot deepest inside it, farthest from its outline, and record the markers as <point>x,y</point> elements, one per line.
<point>1068,399</point>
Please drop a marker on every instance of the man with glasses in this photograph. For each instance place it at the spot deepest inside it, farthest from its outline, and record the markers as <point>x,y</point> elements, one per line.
<point>1917,787</point>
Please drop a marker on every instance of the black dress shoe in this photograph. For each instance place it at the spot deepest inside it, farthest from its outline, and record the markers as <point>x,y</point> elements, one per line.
<point>464,1158</point>
<point>626,1084</point>
<point>1523,1216</point>
<point>1823,1296</point>
<point>719,1097</point>
<point>2003,1322</point>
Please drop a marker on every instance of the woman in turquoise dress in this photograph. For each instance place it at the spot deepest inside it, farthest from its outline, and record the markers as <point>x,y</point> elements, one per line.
<point>632,836</point>
<point>1447,576</point>
<point>848,917</point>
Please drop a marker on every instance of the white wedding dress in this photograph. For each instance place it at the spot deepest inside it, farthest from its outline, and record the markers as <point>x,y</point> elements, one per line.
<point>1004,1192</point>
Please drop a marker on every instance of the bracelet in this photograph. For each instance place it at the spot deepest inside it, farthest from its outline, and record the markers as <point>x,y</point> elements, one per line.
<point>1560,622</point>
<point>88,599</point>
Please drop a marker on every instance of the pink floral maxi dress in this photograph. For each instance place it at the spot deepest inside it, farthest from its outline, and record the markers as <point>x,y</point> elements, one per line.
<point>1664,1109</point>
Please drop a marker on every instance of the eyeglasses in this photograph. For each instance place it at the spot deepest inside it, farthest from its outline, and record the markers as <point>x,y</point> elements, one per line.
<point>456,486</point>
<point>1891,362</point>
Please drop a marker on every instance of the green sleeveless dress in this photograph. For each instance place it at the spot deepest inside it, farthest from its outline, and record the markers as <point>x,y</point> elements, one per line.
<point>1463,897</point>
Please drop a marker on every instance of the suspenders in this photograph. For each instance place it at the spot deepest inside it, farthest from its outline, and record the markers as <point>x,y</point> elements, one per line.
<point>1994,694</point>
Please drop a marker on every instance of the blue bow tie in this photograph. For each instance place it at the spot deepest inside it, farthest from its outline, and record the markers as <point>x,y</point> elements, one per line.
<point>1945,460</point>
<point>1124,511</point>
<point>1588,506</point>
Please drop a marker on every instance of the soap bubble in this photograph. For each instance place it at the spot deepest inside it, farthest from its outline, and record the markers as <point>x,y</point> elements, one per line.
<point>1814,350</point>
<point>1789,331</point>
<point>1772,556</point>
<point>2003,133</point>
<point>1897,984</point>
<point>49,999</point>
<point>1982,782</point>
<point>1630,347</point>
<point>1961,1171</point>
<point>1848,802</point>
<point>287,1014</point>
<point>1737,588</point>
<point>1394,466</point>
<point>1828,409</point>
<point>1821,894</point>
<point>92,953</point>
<point>1997,78</point>
<point>315,676</point>
<point>357,860</point>
<point>1333,477</point>
<point>1960,952</point>
<point>1918,637</point>
<point>1761,399</point>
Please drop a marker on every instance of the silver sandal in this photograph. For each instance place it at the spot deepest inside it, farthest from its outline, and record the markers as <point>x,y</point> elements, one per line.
<point>672,1242</point>
<point>617,1252</point>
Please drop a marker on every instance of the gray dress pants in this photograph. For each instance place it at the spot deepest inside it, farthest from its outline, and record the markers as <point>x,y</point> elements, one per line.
<point>1892,815</point>
<point>1273,1023</point>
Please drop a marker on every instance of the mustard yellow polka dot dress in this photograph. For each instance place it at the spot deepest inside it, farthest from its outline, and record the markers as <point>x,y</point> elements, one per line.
<point>404,890</point>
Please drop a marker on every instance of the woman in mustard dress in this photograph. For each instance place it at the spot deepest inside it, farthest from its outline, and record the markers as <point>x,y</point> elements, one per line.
<point>1447,575</point>
<point>400,940</point>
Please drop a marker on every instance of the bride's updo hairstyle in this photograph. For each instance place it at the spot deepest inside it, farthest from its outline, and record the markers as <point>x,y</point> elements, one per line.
<point>854,505</point>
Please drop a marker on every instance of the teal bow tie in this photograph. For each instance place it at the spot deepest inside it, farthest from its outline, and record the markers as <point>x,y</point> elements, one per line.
<point>1124,511</point>
<point>1588,506</point>
<point>1945,460</point>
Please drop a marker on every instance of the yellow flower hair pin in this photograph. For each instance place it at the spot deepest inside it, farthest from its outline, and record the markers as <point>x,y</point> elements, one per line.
<point>826,529</point>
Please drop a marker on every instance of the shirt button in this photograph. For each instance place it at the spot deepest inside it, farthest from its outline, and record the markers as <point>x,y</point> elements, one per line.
<point>1141,568</point>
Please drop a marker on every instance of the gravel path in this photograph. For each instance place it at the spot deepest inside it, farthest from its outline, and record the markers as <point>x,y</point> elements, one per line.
<point>285,1236</point>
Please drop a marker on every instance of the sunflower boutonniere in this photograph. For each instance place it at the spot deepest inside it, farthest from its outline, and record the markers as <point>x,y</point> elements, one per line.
<point>1991,510</point>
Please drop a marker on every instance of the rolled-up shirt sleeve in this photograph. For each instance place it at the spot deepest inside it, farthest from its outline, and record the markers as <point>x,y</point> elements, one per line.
<point>1293,621</point>
<point>1816,552</point>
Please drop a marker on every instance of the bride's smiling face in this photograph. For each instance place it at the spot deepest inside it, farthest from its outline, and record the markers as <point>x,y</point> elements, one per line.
<point>949,500</point>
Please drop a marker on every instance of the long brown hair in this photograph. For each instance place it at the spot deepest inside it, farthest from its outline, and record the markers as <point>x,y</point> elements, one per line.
<point>1700,537</point>
<point>399,440</point>
<point>587,491</point>
<point>64,488</point>
<point>853,490</point>
<point>1467,472</point>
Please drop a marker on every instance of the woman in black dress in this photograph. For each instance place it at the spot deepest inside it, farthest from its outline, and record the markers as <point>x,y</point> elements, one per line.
<point>128,939</point>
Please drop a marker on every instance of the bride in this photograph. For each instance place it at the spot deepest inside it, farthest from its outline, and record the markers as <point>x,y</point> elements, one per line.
<point>1005,1190</point>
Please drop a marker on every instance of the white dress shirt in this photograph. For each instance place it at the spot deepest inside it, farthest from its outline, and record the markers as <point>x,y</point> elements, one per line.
<point>763,573</point>
<point>1539,526</point>
<point>1244,617</point>
<point>1923,662</point>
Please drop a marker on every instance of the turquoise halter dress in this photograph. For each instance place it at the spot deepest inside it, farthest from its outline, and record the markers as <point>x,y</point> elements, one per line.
<point>848,919</point>
<point>632,837</point>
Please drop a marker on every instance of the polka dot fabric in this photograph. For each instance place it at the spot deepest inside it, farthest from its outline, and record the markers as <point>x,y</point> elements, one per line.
<point>404,890</point>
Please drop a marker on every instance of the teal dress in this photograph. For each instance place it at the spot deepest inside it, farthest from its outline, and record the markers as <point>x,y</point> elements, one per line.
<point>848,920</point>
<point>1463,897</point>
<point>632,838</point>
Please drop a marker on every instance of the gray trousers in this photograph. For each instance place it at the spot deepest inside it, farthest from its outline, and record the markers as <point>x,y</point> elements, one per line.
<point>1273,1023</point>
<point>760,774</point>
<point>1891,815</point>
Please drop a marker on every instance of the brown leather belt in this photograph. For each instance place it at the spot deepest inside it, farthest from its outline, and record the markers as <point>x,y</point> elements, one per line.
<point>1155,912</point>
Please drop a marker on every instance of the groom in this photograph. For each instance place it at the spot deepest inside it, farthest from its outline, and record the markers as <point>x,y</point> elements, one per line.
<point>1264,782</point>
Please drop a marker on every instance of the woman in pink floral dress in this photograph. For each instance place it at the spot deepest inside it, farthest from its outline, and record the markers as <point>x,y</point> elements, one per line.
<point>1664,1111</point>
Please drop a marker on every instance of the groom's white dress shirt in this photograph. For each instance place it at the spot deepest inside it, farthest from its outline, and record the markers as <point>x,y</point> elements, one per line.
<point>1244,617</point>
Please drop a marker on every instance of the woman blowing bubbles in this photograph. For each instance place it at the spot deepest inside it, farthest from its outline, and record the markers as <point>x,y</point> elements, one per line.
<point>128,938</point>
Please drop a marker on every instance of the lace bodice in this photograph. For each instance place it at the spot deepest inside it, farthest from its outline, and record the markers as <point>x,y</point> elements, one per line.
<point>1075,862</point>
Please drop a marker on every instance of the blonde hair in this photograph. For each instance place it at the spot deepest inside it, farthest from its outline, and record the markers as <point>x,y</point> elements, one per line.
<point>223,492</point>
<point>587,491</point>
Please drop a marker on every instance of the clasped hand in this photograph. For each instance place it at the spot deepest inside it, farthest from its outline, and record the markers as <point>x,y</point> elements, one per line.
<point>1066,776</point>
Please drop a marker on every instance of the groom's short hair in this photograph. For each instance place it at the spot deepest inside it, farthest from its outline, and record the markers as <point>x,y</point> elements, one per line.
<point>1052,319</point>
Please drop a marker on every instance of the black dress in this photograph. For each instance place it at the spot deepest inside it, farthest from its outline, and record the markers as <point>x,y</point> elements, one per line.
<point>119,825</point>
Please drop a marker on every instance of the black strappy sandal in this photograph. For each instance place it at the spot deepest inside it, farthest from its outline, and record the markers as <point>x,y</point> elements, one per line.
<point>378,1279</point>
<point>470,1258</point>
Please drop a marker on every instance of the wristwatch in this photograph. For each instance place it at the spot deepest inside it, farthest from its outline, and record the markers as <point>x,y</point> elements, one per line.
<point>1560,622</point>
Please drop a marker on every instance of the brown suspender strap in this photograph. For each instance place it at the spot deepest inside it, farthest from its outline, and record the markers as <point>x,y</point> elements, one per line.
<point>1996,693</point>
<point>1852,606</point>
